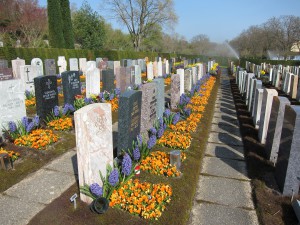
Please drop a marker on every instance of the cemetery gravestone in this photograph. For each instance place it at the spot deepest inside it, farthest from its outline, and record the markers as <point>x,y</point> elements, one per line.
<point>94,143</point>
<point>116,66</point>
<point>287,170</point>
<point>150,71</point>
<point>71,86</point>
<point>108,80</point>
<point>181,76</point>
<point>155,69</point>
<point>92,81</point>
<point>275,127</point>
<point>46,94</point>
<point>28,73</point>
<point>16,64</point>
<point>82,65</point>
<point>12,102</point>
<point>160,97</point>
<point>187,80</point>
<point>73,64</point>
<point>149,105</point>
<point>38,63</point>
<point>293,86</point>
<point>250,93</point>
<point>175,90</point>
<point>122,78</point>
<point>129,122</point>
<point>62,64</point>
<point>266,107</point>
<point>6,74</point>
<point>50,67</point>
<point>257,106</point>
<point>137,73</point>
<point>3,63</point>
<point>159,68</point>
<point>257,84</point>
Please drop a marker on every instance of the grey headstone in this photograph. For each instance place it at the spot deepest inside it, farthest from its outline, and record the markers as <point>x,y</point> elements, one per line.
<point>275,127</point>
<point>187,80</point>
<point>129,122</point>
<point>149,105</point>
<point>6,74</point>
<point>175,90</point>
<point>250,93</point>
<point>160,96</point>
<point>257,85</point>
<point>257,106</point>
<point>247,86</point>
<point>3,63</point>
<point>287,170</point>
<point>293,86</point>
<point>108,79</point>
<point>46,94</point>
<point>71,86</point>
<point>73,64</point>
<point>50,67</point>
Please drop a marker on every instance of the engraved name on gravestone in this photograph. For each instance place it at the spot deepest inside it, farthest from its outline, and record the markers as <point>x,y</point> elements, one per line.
<point>71,86</point>
<point>50,67</point>
<point>94,143</point>
<point>275,127</point>
<point>148,111</point>
<point>46,94</point>
<point>287,170</point>
<point>12,101</point>
<point>175,90</point>
<point>129,118</point>
<point>108,80</point>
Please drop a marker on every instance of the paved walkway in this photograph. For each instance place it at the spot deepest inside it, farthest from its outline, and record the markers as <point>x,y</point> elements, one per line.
<point>224,193</point>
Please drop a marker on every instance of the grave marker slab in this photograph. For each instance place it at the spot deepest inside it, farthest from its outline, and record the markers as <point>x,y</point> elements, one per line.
<point>137,75</point>
<point>129,122</point>
<point>28,73</point>
<point>62,64</point>
<point>181,75</point>
<point>108,79</point>
<point>73,64</point>
<point>257,106</point>
<point>175,90</point>
<point>3,63</point>
<point>39,65</point>
<point>46,94</point>
<point>50,67</point>
<point>160,97</point>
<point>150,75</point>
<point>275,127</point>
<point>6,74</point>
<point>149,106</point>
<point>287,169</point>
<point>187,80</point>
<point>82,65</point>
<point>94,143</point>
<point>92,81</point>
<point>71,86</point>
<point>293,86</point>
<point>16,64</point>
<point>266,107</point>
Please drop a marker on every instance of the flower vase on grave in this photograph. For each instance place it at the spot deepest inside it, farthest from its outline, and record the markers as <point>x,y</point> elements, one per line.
<point>100,205</point>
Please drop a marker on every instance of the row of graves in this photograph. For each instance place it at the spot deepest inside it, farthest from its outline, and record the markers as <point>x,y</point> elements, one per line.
<point>145,118</point>
<point>272,95</point>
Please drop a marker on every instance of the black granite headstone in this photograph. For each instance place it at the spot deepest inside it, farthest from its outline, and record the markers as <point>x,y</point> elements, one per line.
<point>46,94</point>
<point>129,122</point>
<point>287,169</point>
<point>108,80</point>
<point>71,86</point>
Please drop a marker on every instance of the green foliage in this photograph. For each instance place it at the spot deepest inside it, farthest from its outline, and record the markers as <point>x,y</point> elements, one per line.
<point>88,28</point>
<point>67,24</point>
<point>56,36</point>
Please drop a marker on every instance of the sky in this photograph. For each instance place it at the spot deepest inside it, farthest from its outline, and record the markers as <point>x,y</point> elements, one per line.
<point>220,20</point>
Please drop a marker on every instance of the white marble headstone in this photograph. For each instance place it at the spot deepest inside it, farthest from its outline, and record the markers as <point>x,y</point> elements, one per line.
<point>39,64</point>
<point>73,64</point>
<point>82,65</point>
<point>28,73</point>
<point>62,64</point>
<point>181,75</point>
<point>150,71</point>
<point>92,81</point>
<point>94,143</point>
<point>16,63</point>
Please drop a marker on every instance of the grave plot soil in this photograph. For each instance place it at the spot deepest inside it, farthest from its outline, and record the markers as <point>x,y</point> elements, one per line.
<point>272,207</point>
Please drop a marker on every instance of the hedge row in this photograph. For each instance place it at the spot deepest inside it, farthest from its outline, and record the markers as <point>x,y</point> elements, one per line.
<point>10,53</point>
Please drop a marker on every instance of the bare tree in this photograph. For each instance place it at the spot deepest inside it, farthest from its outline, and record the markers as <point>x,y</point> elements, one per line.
<point>201,44</point>
<point>139,16</point>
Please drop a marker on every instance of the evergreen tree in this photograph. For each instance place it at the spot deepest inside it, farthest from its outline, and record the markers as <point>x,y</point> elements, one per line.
<point>67,23</point>
<point>56,36</point>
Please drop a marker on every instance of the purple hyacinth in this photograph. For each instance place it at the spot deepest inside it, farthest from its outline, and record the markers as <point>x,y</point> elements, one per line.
<point>140,139</point>
<point>176,118</point>
<point>126,165</point>
<point>151,142</point>
<point>160,132</point>
<point>25,121</point>
<point>30,126</point>
<point>27,94</point>
<point>113,178</point>
<point>36,120</point>
<point>12,126</point>
<point>96,189</point>
<point>111,96</point>
<point>101,95</point>
<point>56,111</point>
<point>136,153</point>
<point>71,107</point>
<point>165,126</point>
<point>187,111</point>
<point>152,131</point>
<point>88,100</point>
<point>118,91</point>
<point>167,113</point>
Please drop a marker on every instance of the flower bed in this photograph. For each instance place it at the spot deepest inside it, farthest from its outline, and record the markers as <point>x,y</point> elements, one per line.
<point>142,198</point>
<point>175,139</point>
<point>64,123</point>
<point>37,139</point>
<point>158,163</point>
